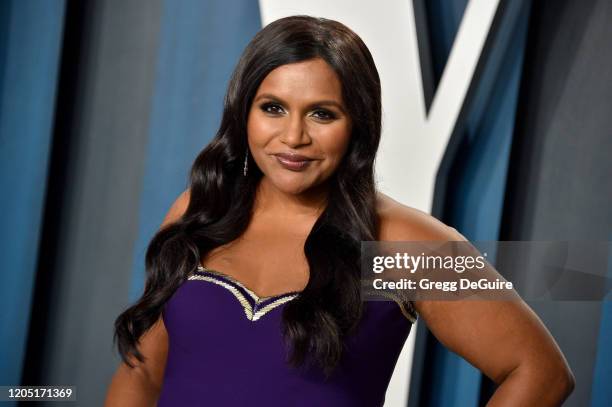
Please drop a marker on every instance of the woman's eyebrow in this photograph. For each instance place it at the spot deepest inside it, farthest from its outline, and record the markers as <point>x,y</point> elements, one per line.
<point>317,103</point>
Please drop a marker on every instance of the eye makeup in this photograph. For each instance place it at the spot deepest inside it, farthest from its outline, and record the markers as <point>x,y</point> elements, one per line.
<point>319,113</point>
<point>267,105</point>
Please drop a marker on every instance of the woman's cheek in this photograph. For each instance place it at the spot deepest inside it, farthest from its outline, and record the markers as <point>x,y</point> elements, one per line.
<point>269,125</point>
<point>338,142</point>
<point>260,125</point>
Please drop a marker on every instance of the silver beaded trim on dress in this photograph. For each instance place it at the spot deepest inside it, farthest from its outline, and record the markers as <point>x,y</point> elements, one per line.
<point>253,313</point>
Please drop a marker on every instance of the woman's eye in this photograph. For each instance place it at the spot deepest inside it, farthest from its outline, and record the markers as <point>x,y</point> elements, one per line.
<point>324,115</point>
<point>271,108</point>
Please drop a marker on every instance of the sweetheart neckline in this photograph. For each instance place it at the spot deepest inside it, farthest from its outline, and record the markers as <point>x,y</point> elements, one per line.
<point>262,305</point>
<point>258,298</point>
<point>253,306</point>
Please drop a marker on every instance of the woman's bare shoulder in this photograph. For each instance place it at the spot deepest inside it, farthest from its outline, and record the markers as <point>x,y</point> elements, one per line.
<point>399,222</point>
<point>178,208</point>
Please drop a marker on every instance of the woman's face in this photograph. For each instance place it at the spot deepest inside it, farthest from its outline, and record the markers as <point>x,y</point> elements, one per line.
<point>298,109</point>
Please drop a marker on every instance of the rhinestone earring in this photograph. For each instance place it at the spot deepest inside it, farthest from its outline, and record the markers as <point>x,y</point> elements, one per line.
<point>246,163</point>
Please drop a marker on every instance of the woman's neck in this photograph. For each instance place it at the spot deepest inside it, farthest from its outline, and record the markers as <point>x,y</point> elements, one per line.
<point>271,201</point>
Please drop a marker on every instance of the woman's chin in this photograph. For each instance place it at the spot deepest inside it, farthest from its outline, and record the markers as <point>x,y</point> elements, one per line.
<point>291,186</point>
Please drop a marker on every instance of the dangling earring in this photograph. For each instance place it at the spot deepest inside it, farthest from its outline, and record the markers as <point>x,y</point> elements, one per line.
<point>246,163</point>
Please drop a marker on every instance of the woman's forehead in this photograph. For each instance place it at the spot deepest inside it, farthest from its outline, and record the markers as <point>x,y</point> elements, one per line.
<point>303,80</point>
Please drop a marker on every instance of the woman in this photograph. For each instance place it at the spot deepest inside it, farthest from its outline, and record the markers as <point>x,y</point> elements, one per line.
<point>253,286</point>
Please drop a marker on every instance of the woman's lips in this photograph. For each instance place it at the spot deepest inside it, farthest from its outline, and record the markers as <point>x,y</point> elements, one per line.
<point>293,162</point>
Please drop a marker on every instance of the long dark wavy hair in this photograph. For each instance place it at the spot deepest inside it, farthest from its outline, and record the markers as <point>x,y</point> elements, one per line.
<point>221,199</point>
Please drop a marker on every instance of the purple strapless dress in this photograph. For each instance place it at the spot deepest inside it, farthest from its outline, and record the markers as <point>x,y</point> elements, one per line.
<point>226,349</point>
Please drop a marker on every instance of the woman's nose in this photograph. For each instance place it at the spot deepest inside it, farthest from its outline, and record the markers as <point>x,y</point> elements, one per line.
<point>296,132</point>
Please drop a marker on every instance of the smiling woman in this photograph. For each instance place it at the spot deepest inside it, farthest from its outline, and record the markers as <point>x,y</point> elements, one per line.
<point>253,281</point>
<point>298,130</point>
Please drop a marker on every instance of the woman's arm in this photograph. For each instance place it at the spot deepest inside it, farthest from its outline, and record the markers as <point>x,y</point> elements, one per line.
<point>141,385</point>
<point>508,343</point>
<point>505,340</point>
